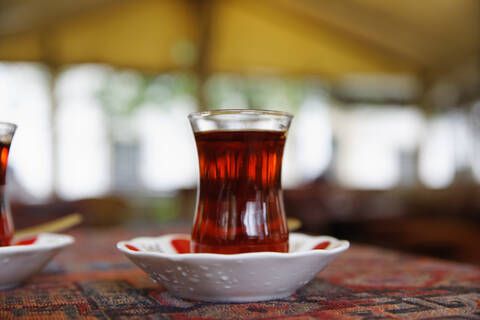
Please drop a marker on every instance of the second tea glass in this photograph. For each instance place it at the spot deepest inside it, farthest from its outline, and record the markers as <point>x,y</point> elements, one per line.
<point>7,130</point>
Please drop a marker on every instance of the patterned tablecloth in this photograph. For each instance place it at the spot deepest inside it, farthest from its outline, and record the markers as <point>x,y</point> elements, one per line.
<point>92,280</point>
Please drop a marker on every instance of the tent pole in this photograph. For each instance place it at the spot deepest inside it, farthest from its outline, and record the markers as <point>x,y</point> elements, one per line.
<point>53,138</point>
<point>203,60</point>
<point>49,61</point>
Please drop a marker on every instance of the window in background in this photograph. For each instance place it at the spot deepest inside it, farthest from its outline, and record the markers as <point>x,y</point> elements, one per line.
<point>123,131</point>
<point>25,100</point>
<point>475,126</point>
<point>154,149</point>
<point>373,142</point>
<point>446,150</point>
<point>463,137</point>
<point>314,137</point>
<point>83,146</point>
<point>168,159</point>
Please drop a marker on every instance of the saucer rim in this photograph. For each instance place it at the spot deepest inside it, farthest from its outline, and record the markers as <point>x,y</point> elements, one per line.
<point>59,241</point>
<point>341,246</point>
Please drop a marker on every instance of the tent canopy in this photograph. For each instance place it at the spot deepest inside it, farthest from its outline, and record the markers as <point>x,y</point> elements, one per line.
<point>329,38</point>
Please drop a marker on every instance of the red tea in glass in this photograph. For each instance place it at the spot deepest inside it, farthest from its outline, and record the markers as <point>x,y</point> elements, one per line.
<point>7,131</point>
<point>239,203</point>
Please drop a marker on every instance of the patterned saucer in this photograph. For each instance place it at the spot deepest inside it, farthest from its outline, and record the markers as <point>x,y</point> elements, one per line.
<point>245,277</point>
<point>26,257</point>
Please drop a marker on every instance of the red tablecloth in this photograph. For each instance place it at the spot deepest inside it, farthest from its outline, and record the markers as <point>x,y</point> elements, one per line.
<point>92,280</point>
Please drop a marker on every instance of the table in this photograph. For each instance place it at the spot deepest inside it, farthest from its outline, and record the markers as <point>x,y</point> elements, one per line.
<point>92,280</point>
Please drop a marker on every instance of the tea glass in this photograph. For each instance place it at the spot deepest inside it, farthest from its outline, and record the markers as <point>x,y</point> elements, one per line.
<point>239,197</point>
<point>7,130</point>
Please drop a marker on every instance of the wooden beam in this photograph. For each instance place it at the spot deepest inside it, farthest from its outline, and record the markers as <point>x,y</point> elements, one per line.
<point>205,16</point>
<point>48,58</point>
<point>361,24</point>
<point>22,16</point>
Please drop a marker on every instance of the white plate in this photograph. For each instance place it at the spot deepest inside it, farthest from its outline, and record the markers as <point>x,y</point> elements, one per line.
<point>242,277</point>
<point>20,262</point>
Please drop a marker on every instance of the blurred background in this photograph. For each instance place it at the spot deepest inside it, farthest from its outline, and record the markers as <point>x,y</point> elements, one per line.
<point>384,148</point>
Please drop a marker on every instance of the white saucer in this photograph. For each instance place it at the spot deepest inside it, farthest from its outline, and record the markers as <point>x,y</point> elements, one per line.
<point>20,262</point>
<point>242,277</point>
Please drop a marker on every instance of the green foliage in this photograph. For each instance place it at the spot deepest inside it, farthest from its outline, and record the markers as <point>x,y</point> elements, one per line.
<point>284,94</point>
<point>165,209</point>
<point>124,91</point>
